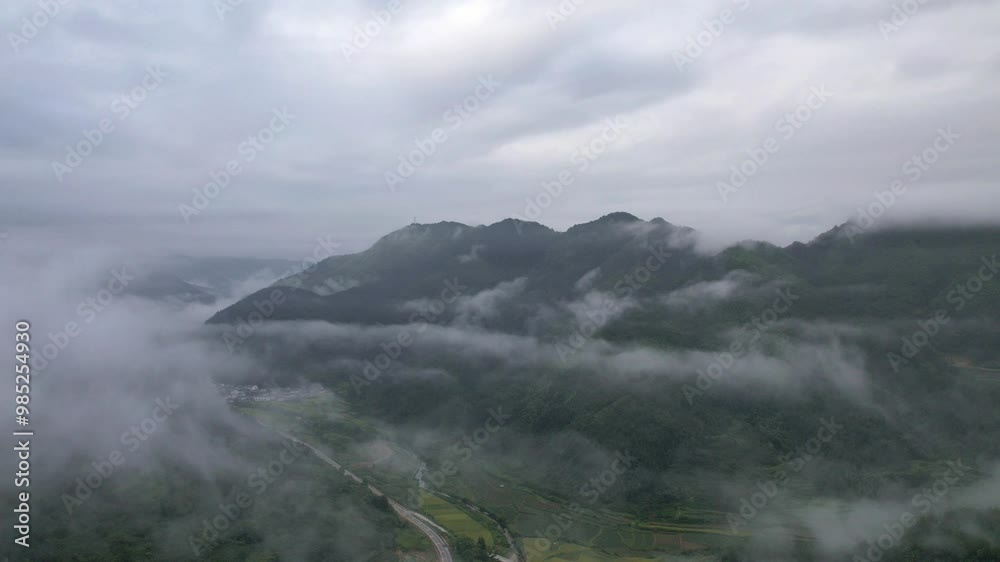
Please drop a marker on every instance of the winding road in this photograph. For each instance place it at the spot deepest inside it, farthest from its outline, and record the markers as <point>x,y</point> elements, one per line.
<point>411,517</point>
<point>439,544</point>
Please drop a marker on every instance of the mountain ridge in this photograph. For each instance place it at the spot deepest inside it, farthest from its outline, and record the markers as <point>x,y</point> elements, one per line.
<point>411,263</point>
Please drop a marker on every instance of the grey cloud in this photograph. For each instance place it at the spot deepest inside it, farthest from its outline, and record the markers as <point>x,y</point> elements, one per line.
<point>485,305</point>
<point>357,118</point>
<point>587,280</point>
<point>707,293</point>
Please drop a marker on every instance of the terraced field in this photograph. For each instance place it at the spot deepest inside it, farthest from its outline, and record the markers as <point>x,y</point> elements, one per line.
<point>591,533</point>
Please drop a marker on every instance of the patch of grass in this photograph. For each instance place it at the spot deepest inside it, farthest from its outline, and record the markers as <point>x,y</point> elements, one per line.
<point>409,539</point>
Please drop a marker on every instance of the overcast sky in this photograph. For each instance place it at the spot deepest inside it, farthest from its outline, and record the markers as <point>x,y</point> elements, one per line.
<point>354,104</point>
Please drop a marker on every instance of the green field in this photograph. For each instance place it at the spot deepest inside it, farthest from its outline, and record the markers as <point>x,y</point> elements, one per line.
<point>409,539</point>
<point>568,552</point>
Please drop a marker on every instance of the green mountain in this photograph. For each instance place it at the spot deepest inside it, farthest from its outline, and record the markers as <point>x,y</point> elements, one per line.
<point>712,370</point>
<point>897,273</point>
<point>414,262</point>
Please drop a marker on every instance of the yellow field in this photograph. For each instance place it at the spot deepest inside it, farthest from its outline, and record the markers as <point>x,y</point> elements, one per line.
<point>454,519</point>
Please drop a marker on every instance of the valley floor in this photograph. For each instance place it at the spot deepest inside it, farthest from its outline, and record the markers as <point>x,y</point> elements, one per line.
<point>465,505</point>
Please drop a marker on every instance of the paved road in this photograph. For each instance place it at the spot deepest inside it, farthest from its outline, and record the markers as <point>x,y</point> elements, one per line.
<point>444,555</point>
